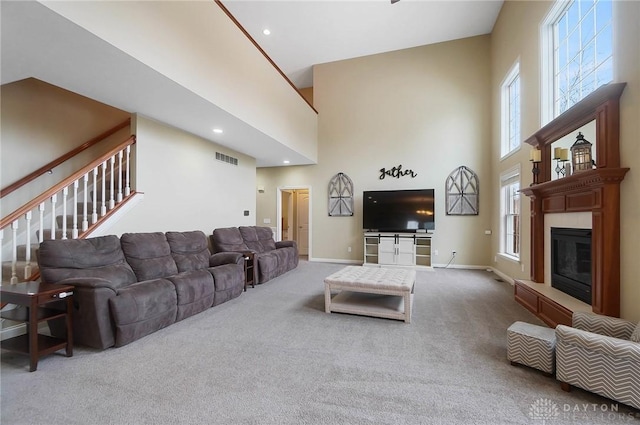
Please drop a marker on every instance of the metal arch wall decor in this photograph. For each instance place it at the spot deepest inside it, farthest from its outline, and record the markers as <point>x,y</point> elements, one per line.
<point>462,192</point>
<point>340,196</point>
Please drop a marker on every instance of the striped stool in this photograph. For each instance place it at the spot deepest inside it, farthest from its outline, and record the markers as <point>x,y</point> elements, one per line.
<point>532,345</point>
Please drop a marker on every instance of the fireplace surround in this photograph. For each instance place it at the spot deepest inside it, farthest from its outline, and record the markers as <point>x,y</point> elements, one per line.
<point>596,191</point>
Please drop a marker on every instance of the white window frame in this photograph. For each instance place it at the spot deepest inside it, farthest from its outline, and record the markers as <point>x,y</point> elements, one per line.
<point>507,178</point>
<point>547,62</point>
<point>506,148</point>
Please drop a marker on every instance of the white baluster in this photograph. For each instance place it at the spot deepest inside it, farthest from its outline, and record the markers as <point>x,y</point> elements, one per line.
<point>54,199</point>
<point>74,229</point>
<point>65,194</point>
<point>127,184</point>
<point>119,198</point>
<point>27,256</point>
<point>103,208</point>
<point>41,232</point>
<point>94,214</point>
<point>85,213</point>
<point>14,251</point>
<point>1,244</point>
<point>111,178</point>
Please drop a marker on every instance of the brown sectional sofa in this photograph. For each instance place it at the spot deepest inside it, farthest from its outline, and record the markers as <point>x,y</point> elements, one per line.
<point>270,258</point>
<point>128,287</point>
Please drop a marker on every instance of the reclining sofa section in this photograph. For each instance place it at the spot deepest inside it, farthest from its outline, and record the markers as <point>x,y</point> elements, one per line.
<point>129,287</point>
<point>271,258</point>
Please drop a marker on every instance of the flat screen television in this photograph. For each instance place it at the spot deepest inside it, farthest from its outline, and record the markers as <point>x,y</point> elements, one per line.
<point>398,210</point>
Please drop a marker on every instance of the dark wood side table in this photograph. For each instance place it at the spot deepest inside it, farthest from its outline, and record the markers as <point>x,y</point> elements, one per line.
<point>33,297</point>
<point>249,269</point>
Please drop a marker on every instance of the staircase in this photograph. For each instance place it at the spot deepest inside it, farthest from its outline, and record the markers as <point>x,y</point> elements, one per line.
<point>73,208</point>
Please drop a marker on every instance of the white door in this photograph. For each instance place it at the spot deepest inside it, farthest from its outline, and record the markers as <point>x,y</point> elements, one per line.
<point>387,250</point>
<point>303,222</point>
<point>406,253</point>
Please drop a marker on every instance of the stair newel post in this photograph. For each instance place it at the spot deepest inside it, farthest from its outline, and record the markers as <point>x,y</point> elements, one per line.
<point>1,244</point>
<point>85,213</point>
<point>111,179</point>
<point>54,200</point>
<point>127,183</point>
<point>74,228</point>
<point>27,256</point>
<point>41,213</point>
<point>65,194</point>
<point>14,251</point>
<point>103,207</point>
<point>120,176</point>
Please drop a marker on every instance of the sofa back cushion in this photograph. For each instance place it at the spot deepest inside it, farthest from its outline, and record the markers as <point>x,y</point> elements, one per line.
<point>99,257</point>
<point>149,255</point>
<point>189,250</point>
<point>228,239</point>
<point>258,239</point>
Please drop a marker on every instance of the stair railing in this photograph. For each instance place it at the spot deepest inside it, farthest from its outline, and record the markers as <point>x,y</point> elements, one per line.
<point>112,169</point>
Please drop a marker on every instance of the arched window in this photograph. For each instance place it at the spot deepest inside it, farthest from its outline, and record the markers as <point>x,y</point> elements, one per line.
<point>462,192</point>
<point>340,196</point>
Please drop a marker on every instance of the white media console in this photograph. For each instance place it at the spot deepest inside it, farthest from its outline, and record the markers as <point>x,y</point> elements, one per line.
<point>397,249</point>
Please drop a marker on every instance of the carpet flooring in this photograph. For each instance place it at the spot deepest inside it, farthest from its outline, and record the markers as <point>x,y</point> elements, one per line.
<point>273,356</point>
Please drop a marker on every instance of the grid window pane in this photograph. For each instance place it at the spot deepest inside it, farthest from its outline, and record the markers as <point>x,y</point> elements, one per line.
<point>583,43</point>
<point>511,219</point>
<point>511,112</point>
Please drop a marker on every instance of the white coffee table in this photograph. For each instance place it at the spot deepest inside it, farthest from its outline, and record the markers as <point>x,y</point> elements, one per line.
<point>371,291</point>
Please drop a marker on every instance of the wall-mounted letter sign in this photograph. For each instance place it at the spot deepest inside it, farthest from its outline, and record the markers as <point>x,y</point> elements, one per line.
<point>396,172</point>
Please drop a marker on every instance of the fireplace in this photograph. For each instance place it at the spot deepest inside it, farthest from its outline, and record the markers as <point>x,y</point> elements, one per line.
<point>571,262</point>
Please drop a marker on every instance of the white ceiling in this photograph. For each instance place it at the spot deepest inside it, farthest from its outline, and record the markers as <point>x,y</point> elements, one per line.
<point>309,32</point>
<point>36,42</point>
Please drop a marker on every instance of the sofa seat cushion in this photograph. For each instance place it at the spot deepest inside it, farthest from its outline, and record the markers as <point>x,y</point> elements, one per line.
<point>228,239</point>
<point>258,239</point>
<point>190,250</point>
<point>143,308</point>
<point>100,258</point>
<point>149,255</point>
<point>229,282</point>
<point>194,290</point>
<point>267,266</point>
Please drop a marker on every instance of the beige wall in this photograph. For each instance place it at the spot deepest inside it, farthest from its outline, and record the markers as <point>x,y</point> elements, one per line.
<point>182,41</point>
<point>41,122</point>
<point>427,109</point>
<point>184,186</point>
<point>516,36</point>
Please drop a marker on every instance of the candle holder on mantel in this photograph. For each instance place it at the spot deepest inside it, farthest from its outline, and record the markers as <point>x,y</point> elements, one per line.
<point>561,157</point>
<point>535,157</point>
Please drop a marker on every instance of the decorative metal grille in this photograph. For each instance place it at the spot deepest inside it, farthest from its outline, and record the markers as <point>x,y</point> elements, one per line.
<point>462,192</point>
<point>340,196</point>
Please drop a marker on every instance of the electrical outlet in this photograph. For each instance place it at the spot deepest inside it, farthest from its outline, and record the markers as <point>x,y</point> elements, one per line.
<point>435,252</point>
<point>349,249</point>
<point>453,252</point>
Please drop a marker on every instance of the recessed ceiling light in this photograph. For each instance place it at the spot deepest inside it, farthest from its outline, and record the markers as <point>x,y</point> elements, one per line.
<point>286,161</point>
<point>217,130</point>
<point>266,31</point>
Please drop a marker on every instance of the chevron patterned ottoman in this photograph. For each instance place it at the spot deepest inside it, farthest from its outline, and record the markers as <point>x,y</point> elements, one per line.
<point>532,345</point>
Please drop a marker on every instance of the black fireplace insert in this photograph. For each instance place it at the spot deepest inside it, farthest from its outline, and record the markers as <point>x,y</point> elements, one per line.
<point>571,262</point>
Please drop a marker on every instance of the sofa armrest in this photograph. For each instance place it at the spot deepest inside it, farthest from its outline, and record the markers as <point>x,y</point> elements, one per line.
<point>89,283</point>
<point>285,244</point>
<point>604,345</point>
<point>603,325</point>
<point>229,257</point>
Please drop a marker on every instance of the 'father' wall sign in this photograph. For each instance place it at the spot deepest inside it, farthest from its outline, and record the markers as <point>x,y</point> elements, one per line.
<point>396,172</point>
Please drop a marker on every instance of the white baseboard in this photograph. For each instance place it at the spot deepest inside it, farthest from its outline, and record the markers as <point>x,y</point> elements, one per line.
<point>333,260</point>
<point>502,276</point>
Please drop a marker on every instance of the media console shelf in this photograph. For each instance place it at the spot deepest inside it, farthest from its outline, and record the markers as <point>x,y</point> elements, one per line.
<point>397,249</point>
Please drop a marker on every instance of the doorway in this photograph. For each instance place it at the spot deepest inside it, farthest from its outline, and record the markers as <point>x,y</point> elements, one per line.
<point>294,218</point>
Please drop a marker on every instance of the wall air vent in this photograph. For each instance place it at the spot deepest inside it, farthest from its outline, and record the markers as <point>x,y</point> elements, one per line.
<point>226,158</point>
